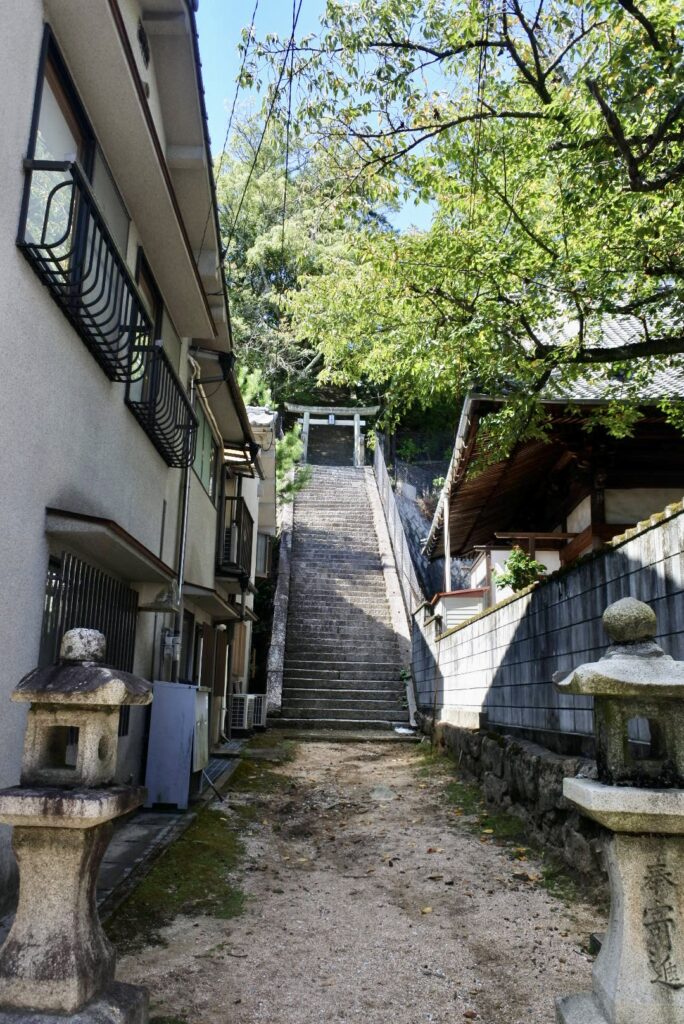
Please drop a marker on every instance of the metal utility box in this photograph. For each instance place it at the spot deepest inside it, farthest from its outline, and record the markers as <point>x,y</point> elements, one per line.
<point>178,744</point>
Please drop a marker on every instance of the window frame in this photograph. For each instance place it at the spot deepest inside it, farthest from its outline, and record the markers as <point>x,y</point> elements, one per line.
<point>204,423</point>
<point>143,270</point>
<point>50,56</point>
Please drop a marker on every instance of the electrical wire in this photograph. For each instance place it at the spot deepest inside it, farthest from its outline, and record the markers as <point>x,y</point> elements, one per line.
<point>295,16</point>
<point>230,120</point>
<point>274,99</point>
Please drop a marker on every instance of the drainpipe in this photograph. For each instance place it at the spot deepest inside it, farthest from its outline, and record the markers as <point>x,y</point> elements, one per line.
<point>182,542</point>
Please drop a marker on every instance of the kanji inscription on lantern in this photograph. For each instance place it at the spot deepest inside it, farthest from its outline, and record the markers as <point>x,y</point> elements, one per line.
<point>660,923</point>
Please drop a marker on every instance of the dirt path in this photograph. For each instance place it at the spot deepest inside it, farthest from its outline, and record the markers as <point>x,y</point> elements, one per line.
<point>373,895</point>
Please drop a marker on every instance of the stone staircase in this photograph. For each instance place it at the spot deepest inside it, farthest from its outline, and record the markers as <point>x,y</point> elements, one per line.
<point>342,662</point>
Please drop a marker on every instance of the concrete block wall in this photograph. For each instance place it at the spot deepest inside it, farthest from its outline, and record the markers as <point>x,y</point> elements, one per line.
<point>497,668</point>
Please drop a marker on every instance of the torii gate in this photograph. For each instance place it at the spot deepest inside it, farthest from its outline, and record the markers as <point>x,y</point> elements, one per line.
<point>334,416</point>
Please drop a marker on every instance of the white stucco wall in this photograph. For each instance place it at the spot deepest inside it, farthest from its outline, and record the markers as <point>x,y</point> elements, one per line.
<point>580,517</point>
<point>68,440</point>
<point>638,503</point>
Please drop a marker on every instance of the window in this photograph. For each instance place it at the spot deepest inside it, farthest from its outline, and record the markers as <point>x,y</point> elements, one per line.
<point>110,200</point>
<point>263,554</point>
<point>149,293</point>
<point>206,454</point>
<point>74,225</point>
<point>78,594</point>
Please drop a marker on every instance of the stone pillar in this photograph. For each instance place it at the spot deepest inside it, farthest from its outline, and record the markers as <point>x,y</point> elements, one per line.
<point>56,964</point>
<point>357,439</point>
<point>638,977</point>
<point>305,435</point>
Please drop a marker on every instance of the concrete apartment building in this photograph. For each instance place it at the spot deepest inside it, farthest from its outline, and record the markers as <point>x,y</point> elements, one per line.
<point>127,455</point>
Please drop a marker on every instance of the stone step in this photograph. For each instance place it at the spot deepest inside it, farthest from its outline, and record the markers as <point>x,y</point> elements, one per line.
<point>349,630</point>
<point>314,682</point>
<point>295,705</point>
<point>336,723</point>
<point>323,652</point>
<point>339,693</point>
<point>343,716</point>
<point>327,661</point>
<point>342,615</point>
<point>313,668</point>
<point>371,646</point>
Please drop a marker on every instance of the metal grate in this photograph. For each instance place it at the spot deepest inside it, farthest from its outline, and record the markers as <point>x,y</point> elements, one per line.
<point>78,594</point>
<point>159,403</point>
<point>259,700</point>
<point>65,238</point>
<point>235,539</point>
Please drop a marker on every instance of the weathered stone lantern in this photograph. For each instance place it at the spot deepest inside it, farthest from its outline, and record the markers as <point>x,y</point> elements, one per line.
<point>638,977</point>
<point>56,960</point>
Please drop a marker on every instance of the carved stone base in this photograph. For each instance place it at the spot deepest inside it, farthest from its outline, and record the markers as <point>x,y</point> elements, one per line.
<point>120,1004</point>
<point>56,957</point>
<point>638,977</point>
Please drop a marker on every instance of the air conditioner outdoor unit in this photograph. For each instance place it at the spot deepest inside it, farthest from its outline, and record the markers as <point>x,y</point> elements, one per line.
<point>242,712</point>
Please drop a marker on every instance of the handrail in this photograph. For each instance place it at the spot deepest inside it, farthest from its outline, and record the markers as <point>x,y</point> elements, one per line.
<point>64,236</point>
<point>159,402</point>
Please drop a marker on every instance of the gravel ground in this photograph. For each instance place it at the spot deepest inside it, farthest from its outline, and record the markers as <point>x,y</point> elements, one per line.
<point>371,900</point>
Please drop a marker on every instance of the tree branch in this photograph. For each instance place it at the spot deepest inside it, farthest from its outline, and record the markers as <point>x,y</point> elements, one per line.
<point>668,345</point>
<point>631,8</point>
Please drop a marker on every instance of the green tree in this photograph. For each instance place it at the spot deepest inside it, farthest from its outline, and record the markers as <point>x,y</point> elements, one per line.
<point>291,477</point>
<point>278,228</point>
<point>549,137</point>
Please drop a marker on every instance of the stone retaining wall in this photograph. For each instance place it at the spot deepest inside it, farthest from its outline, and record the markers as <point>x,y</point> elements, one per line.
<point>527,780</point>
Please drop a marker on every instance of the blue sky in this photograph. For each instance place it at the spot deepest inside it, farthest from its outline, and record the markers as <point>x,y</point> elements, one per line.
<point>220,23</point>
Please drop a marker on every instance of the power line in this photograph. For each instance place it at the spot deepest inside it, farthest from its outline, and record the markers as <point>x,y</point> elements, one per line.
<point>230,118</point>
<point>295,15</point>
<point>287,134</point>
<point>274,99</point>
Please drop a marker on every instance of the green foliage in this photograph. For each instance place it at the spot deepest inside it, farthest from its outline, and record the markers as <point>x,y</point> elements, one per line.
<point>409,450</point>
<point>290,476</point>
<point>550,145</point>
<point>519,571</point>
<point>276,234</point>
<point>255,390</point>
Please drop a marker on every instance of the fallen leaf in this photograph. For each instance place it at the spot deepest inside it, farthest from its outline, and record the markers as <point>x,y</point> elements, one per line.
<point>435,878</point>
<point>488,831</point>
<point>426,910</point>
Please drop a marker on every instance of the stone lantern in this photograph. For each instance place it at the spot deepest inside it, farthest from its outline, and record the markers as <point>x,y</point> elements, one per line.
<point>56,962</point>
<point>638,977</point>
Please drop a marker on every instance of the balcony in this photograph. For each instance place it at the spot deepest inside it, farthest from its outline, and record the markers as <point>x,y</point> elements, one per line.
<point>64,237</point>
<point>158,401</point>
<point>236,529</point>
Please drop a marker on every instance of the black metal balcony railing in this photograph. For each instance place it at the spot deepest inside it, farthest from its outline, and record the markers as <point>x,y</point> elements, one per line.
<point>236,531</point>
<point>158,401</point>
<point>65,238</point>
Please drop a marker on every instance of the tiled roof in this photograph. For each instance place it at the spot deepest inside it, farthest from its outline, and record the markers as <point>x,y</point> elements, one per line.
<point>642,381</point>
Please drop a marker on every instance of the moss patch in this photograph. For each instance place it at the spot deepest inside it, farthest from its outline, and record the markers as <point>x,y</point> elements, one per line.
<point>255,777</point>
<point>507,830</point>
<point>272,740</point>
<point>190,877</point>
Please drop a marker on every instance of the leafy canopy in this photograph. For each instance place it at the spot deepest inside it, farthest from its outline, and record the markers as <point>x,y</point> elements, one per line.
<point>549,138</point>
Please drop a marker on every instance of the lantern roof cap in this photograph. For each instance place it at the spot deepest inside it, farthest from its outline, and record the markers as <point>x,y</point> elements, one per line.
<point>635,666</point>
<point>81,678</point>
